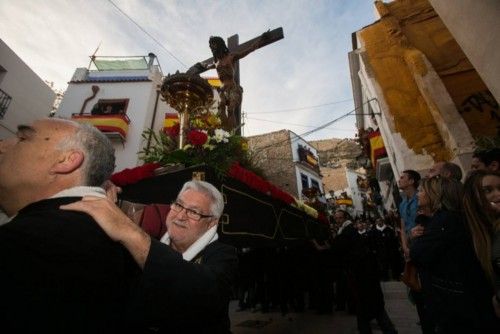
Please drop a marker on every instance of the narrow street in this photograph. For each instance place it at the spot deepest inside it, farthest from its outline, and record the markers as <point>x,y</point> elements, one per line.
<point>400,310</point>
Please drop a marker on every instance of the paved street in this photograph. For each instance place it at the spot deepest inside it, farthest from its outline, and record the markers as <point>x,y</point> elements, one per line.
<point>401,311</point>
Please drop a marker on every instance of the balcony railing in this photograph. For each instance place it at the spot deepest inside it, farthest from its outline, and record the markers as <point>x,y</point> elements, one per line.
<point>4,103</point>
<point>113,125</point>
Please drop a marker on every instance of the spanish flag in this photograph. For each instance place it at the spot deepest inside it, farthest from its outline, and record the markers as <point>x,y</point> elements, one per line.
<point>171,119</point>
<point>106,123</point>
<point>377,148</point>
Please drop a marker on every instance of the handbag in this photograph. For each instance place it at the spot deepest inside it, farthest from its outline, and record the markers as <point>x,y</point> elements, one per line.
<point>410,277</point>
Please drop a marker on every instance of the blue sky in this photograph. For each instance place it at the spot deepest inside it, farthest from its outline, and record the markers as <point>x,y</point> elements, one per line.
<point>282,82</point>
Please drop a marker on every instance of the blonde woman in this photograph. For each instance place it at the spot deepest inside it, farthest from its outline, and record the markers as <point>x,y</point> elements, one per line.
<point>456,290</point>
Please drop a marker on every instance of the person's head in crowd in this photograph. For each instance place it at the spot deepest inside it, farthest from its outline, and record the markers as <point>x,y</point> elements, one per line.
<point>333,228</point>
<point>445,169</point>
<point>482,208</point>
<point>197,209</point>
<point>379,222</point>
<point>49,156</point>
<point>478,161</point>
<point>341,216</point>
<point>409,179</point>
<point>439,193</point>
<point>486,160</point>
<point>361,225</point>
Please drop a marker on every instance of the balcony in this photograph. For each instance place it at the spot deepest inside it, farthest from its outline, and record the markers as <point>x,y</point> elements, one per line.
<point>4,103</point>
<point>114,126</point>
<point>307,158</point>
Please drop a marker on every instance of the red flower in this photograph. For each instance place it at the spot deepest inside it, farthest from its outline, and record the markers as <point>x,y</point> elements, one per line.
<point>133,175</point>
<point>197,138</point>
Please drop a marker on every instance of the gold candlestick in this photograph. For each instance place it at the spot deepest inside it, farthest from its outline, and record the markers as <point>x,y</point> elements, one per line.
<point>186,93</point>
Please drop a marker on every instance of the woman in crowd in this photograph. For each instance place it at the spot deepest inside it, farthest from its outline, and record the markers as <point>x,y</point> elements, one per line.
<point>456,290</point>
<point>482,208</point>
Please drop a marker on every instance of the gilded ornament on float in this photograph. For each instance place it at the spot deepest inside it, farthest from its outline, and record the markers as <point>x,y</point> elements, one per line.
<point>188,94</point>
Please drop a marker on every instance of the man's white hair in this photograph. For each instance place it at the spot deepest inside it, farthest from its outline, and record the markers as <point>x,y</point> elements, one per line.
<point>216,199</point>
<point>99,154</point>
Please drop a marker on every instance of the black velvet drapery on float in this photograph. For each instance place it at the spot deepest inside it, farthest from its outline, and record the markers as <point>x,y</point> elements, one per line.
<point>250,219</point>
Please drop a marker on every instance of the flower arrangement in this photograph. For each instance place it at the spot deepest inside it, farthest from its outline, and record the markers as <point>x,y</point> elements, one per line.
<point>207,143</point>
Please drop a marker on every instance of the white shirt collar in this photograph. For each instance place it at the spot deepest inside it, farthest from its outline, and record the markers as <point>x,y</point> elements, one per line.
<point>81,191</point>
<point>78,191</point>
<point>208,237</point>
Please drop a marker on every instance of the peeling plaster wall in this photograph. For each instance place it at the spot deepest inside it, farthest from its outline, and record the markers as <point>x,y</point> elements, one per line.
<point>410,62</point>
<point>400,155</point>
<point>389,56</point>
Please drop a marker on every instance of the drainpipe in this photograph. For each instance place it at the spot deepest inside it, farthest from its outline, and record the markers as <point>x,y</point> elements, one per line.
<point>154,116</point>
<point>95,89</point>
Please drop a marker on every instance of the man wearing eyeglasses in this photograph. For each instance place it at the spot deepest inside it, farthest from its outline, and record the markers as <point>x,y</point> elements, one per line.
<point>187,275</point>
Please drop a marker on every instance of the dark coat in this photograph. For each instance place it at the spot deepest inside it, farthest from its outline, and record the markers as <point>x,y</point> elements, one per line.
<point>362,270</point>
<point>364,273</point>
<point>178,296</point>
<point>495,257</point>
<point>455,287</point>
<point>60,273</point>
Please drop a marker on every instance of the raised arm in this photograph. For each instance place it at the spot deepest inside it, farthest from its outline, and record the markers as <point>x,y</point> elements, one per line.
<point>116,225</point>
<point>200,68</point>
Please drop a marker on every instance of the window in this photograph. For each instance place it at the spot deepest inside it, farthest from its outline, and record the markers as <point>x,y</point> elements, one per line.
<point>4,103</point>
<point>110,107</point>
<point>315,184</point>
<point>304,180</point>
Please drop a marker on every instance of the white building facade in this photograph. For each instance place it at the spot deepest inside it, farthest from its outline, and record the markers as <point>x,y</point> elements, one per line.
<point>306,160</point>
<point>24,96</point>
<point>130,88</point>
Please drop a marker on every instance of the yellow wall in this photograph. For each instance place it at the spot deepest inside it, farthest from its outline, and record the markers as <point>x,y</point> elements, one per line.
<point>394,45</point>
<point>387,53</point>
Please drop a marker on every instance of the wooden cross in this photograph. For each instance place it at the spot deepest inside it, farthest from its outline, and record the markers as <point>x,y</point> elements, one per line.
<point>233,46</point>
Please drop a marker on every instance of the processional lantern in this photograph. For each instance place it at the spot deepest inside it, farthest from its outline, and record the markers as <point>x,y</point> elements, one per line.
<point>187,94</point>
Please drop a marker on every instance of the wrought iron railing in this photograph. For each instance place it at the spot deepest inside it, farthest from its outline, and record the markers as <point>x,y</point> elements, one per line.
<point>4,103</point>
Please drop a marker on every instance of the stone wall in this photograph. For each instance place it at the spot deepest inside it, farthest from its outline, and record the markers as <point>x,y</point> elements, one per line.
<point>272,153</point>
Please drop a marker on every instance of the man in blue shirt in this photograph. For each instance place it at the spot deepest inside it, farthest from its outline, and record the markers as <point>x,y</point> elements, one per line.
<point>408,183</point>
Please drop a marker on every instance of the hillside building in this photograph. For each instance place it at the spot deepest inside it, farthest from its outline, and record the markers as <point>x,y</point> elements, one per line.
<point>288,161</point>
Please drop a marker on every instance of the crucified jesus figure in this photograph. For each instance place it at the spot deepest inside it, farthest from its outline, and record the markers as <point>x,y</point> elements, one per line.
<point>224,63</point>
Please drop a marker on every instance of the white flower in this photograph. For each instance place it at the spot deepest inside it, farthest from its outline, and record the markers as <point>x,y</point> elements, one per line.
<point>221,135</point>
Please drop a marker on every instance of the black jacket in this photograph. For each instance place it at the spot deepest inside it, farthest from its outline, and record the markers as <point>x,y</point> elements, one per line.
<point>177,296</point>
<point>60,273</point>
<point>456,289</point>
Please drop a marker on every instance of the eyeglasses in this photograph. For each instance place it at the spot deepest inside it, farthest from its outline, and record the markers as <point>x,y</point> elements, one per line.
<point>190,213</point>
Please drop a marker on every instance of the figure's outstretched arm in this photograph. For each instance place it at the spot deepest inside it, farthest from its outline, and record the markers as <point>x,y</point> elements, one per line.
<point>200,68</point>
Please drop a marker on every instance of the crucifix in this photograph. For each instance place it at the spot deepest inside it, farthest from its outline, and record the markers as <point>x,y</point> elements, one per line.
<point>225,61</point>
